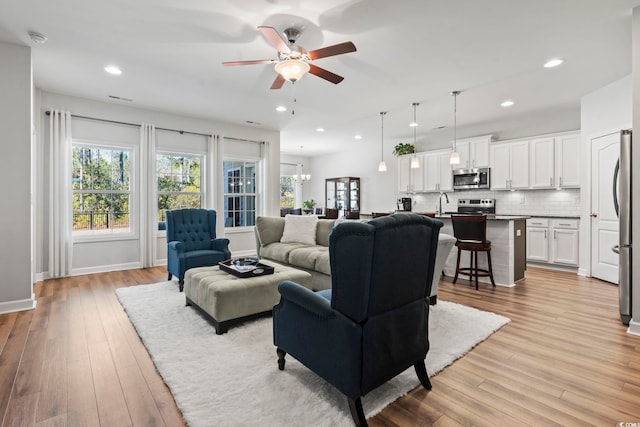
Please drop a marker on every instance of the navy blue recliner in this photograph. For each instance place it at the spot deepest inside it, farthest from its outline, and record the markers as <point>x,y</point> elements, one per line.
<point>191,241</point>
<point>373,322</point>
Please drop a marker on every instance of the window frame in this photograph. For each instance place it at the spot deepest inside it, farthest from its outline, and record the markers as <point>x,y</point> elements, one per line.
<point>134,204</point>
<point>256,194</point>
<point>203,177</point>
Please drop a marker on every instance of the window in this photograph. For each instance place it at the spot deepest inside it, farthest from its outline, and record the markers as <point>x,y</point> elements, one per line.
<point>179,182</point>
<point>239,193</point>
<point>287,192</point>
<point>101,184</point>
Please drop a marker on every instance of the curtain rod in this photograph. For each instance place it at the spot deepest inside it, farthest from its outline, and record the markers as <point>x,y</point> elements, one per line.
<point>243,140</point>
<point>48,113</point>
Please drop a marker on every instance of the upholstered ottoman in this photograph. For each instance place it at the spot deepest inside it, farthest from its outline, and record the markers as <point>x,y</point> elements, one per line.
<point>226,299</point>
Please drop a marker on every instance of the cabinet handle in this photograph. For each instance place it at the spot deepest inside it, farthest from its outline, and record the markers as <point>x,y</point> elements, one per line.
<point>545,234</point>
<point>554,233</point>
<point>568,225</point>
<point>560,181</point>
<point>551,181</point>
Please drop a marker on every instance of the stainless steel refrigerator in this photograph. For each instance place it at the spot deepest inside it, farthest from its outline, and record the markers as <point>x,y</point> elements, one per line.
<point>622,202</point>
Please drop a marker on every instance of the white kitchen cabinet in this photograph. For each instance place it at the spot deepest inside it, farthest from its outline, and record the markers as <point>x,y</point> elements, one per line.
<point>417,174</point>
<point>564,241</point>
<point>437,171</point>
<point>542,162</point>
<point>567,165</point>
<point>404,174</point>
<point>509,165</point>
<point>538,239</point>
<point>553,241</point>
<point>474,152</point>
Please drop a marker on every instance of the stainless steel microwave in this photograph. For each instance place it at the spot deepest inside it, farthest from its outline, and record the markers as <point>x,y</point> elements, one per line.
<point>471,179</point>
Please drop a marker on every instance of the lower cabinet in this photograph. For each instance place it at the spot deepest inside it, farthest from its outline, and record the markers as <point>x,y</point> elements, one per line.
<point>553,241</point>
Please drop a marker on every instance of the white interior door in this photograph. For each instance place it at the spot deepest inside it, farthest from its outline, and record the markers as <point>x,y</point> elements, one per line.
<point>605,151</point>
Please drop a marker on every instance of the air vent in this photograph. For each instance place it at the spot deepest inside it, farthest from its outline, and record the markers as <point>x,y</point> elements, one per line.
<point>119,98</point>
<point>251,122</point>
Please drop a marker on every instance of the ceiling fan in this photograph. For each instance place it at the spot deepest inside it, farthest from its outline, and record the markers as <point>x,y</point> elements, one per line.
<point>293,60</point>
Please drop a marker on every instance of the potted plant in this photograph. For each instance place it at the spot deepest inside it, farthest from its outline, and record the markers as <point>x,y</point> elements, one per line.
<point>403,148</point>
<point>308,205</point>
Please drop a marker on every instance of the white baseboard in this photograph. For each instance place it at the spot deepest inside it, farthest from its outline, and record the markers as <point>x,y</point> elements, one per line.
<point>634,328</point>
<point>19,305</point>
<point>105,268</point>
<point>42,276</point>
<point>583,272</point>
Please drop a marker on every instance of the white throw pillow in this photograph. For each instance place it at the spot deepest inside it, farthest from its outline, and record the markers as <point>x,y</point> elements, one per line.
<point>300,229</point>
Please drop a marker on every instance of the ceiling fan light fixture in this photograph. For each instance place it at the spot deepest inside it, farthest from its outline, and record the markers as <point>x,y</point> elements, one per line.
<point>292,69</point>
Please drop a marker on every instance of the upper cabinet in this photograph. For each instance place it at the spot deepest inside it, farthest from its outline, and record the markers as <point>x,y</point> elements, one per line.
<point>437,171</point>
<point>409,179</point>
<point>539,163</point>
<point>542,153</point>
<point>509,165</point>
<point>567,164</point>
<point>474,152</point>
<point>554,163</point>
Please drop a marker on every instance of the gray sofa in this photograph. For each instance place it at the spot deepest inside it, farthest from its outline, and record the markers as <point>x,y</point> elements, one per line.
<point>314,259</point>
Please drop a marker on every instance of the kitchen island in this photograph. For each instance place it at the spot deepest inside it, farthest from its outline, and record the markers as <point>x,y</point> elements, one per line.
<point>507,234</point>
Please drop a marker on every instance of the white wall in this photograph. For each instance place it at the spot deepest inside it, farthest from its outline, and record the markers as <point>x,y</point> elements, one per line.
<point>16,291</point>
<point>378,190</point>
<point>121,254</point>
<point>603,111</point>
<point>634,325</point>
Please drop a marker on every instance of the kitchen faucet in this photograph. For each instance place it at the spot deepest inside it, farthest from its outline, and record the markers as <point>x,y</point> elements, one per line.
<point>442,193</point>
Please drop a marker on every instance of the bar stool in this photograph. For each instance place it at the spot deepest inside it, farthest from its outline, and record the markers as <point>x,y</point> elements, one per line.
<point>470,232</point>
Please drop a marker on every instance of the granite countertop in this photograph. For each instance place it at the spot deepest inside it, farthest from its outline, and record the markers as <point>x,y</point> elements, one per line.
<point>492,217</point>
<point>555,216</point>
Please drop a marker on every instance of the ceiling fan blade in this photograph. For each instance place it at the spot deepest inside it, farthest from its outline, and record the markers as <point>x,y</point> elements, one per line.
<point>257,61</point>
<point>336,49</point>
<point>276,40</point>
<point>278,82</point>
<point>327,75</point>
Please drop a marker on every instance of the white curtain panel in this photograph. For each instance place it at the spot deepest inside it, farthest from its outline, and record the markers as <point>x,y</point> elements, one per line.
<point>263,176</point>
<point>216,151</point>
<point>148,196</point>
<point>60,195</point>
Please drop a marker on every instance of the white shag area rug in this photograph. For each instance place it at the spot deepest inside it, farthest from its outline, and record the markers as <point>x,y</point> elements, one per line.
<point>233,379</point>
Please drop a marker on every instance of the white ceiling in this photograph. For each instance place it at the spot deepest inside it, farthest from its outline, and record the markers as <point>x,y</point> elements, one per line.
<point>171,52</point>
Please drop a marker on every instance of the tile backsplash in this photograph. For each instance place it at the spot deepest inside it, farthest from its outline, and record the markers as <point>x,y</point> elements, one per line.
<point>523,202</point>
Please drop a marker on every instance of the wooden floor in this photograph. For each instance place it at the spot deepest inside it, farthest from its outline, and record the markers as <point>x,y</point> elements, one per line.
<point>564,360</point>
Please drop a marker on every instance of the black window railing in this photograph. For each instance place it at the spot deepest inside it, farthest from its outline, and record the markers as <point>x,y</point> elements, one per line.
<point>90,220</point>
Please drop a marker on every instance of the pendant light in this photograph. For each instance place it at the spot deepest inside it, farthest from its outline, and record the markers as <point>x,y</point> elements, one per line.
<point>455,156</point>
<point>382,166</point>
<point>415,162</point>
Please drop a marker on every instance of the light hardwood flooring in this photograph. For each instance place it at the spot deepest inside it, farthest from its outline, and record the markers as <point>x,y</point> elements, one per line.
<point>564,359</point>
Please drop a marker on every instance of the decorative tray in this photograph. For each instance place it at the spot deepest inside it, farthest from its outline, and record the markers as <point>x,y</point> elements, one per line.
<point>245,267</point>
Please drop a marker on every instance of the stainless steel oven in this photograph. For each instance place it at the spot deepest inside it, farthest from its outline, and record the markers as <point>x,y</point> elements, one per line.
<point>471,179</point>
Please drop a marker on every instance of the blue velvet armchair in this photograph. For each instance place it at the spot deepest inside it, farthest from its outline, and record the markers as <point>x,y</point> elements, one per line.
<point>373,322</point>
<point>191,241</point>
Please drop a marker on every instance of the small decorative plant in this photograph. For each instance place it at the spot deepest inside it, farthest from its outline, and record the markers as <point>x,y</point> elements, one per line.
<point>403,148</point>
<point>308,205</point>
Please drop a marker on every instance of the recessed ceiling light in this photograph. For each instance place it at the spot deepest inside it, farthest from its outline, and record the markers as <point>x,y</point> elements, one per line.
<point>507,103</point>
<point>281,108</point>
<point>320,130</point>
<point>553,63</point>
<point>112,69</point>
<point>358,137</point>
<point>413,124</point>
